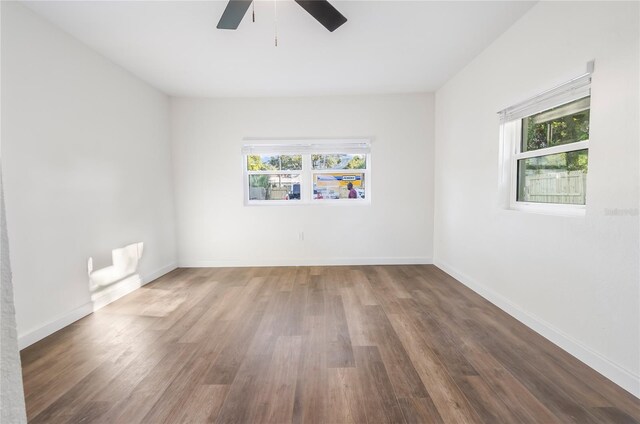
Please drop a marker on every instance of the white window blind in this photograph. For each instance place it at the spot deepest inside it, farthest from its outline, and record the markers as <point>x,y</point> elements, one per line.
<point>307,148</point>
<point>574,89</point>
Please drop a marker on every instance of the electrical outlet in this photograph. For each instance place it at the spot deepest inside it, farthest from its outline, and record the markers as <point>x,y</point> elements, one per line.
<point>301,236</point>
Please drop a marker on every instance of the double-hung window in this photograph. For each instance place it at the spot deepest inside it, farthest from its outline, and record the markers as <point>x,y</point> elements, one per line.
<point>299,172</point>
<point>273,176</point>
<point>546,149</point>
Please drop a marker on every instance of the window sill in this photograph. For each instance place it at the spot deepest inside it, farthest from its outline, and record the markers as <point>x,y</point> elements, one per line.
<point>325,202</point>
<point>549,209</point>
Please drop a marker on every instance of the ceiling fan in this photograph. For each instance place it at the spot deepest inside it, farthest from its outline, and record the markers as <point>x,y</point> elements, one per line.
<point>321,10</point>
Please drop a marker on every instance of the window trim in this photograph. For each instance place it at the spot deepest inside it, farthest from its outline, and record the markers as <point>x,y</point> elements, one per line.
<point>514,139</point>
<point>562,148</point>
<point>511,144</point>
<point>305,148</point>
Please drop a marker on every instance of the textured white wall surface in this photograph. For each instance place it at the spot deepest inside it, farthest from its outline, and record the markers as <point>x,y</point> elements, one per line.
<point>575,279</point>
<point>214,226</point>
<point>11,395</point>
<point>87,169</point>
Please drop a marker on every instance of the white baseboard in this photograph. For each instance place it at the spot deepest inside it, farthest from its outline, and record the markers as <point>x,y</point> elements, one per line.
<point>128,285</point>
<point>68,318</point>
<point>158,273</point>
<point>116,291</point>
<point>54,325</point>
<point>418,260</point>
<point>622,377</point>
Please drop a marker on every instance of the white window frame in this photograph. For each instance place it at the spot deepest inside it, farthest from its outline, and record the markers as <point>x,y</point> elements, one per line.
<point>511,144</point>
<point>305,148</point>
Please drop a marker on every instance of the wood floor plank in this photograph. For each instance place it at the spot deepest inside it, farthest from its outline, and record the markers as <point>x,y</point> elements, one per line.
<point>340,351</point>
<point>39,397</point>
<point>345,397</point>
<point>225,366</point>
<point>380,400</point>
<point>89,412</point>
<point>360,332</point>
<point>278,391</point>
<point>402,373</point>
<point>315,299</point>
<point>310,400</point>
<point>489,407</point>
<point>363,288</point>
<point>123,382</point>
<point>199,331</point>
<point>203,405</point>
<point>240,405</point>
<point>509,341</point>
<point>272,325</point>
<point>295,309</point>
<point>444,342</point>
<point>173,399</point>
<point>87,390</point>
<point>353,344</point>
<point>611,414</point>
<point>145,394</point>
<point>526,407</point>
<point>419,410</point>
<point>447,396</point>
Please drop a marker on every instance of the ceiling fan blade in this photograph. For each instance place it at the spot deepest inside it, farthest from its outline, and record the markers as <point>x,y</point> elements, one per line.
<point>324,13</point>
<point>233,14</point>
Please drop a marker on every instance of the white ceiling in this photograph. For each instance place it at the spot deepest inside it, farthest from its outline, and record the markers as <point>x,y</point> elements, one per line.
<point>385,46</point>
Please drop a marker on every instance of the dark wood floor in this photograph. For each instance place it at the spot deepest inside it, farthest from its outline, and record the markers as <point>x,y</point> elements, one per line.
<point>311,344</point>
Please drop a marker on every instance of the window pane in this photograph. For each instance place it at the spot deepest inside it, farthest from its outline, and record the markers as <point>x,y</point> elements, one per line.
<point>339,185</point>
<point>274,162</point>
<point>338,161</point>
<point>274,187</point>
<point>565,124</point>
<point>559,178</point>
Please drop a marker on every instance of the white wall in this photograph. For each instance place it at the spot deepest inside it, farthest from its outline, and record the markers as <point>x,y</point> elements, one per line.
<point>12,408</point>
<point>214,226</point>
<point>87,169</point>
<point>574,279</point>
